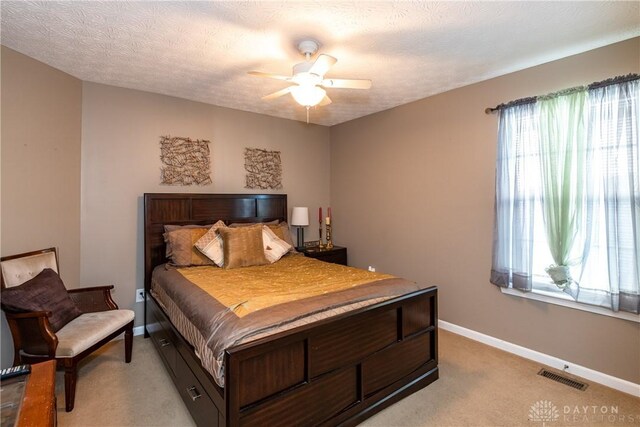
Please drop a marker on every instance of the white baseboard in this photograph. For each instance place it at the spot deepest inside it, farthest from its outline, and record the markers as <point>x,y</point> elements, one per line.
<point>552,361</point>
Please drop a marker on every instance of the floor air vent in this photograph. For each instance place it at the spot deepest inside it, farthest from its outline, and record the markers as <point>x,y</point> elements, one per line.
<point>563,380</point>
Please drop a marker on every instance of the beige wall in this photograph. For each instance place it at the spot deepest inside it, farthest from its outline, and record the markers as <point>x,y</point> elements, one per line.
<point>412,191</point>
<point>41,128</point>
<point>120,162</point>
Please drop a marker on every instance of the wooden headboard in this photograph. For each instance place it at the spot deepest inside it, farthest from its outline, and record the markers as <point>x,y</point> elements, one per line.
<point>186,208</point>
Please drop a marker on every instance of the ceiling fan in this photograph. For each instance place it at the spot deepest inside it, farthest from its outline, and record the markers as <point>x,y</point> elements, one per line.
<point>309,81</point>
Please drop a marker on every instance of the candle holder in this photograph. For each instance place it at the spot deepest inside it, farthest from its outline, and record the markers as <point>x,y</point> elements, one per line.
<point>329,242</point>
<point>320,244</point>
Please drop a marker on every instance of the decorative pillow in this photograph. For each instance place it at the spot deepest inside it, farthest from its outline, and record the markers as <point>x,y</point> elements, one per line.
<point>180,247</point>
<point>282,231</point>
<point>249,224</point>
<point>44,292</point>
<point>243,246</point>
<point>171,227</point>
<point>210,244</point>
<point>274,247</point>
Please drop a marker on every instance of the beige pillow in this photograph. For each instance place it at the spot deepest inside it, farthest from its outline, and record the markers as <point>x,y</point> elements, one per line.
<point>172,227</point>
<point>274,247</point>
<point>180,247</point>
<point>210,244</point>
<point>242,246</point>
<point>282,231</point>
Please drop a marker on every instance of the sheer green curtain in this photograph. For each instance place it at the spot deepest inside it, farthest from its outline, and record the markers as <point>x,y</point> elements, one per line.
<point>564,160</point>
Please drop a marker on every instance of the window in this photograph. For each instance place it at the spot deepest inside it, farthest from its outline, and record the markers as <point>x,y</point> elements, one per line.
<point>568,196</point>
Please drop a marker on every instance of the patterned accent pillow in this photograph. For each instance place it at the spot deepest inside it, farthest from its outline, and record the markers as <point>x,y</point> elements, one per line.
<point>243,246</point>
<point>44,292</point>
<point>210,244</point>
<point>282,231</point>
<point>180,247</point>
<point>274,247</point>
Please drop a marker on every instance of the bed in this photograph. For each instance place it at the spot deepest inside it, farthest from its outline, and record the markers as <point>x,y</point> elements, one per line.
<point>338,370</point>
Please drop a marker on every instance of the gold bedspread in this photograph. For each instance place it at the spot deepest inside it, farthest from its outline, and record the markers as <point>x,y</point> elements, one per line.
<point>294,277</point>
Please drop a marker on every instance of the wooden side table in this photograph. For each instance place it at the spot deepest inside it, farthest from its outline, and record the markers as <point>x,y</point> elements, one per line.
<point>38,406</point>
<point>337,255</point>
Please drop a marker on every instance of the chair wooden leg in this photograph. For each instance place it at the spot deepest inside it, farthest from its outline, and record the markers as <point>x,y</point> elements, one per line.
<point>70,379</point>
<point>128,342</point>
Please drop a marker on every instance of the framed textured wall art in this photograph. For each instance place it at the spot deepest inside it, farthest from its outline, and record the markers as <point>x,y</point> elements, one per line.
<point>185,161</point>
<point>264,169</point>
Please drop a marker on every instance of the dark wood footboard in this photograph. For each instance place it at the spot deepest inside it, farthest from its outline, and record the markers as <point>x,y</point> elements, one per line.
<point>338,371</point>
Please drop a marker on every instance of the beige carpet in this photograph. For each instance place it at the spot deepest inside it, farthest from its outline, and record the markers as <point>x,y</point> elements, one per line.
<point>478,386</point>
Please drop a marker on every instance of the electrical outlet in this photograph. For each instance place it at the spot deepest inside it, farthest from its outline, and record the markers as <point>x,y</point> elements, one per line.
<point>372,268</point>
<point>139,295</point>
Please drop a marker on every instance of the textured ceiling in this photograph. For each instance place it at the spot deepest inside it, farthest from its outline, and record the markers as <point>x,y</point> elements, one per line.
<point>203,50</point>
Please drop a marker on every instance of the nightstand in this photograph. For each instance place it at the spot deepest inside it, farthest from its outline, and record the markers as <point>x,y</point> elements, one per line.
<point>337,255</point>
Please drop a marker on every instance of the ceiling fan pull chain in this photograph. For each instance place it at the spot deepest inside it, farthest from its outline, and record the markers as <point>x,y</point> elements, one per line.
<point>307,114</point>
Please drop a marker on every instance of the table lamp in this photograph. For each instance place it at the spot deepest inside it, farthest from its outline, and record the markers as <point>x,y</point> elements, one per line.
<point>300,219</point>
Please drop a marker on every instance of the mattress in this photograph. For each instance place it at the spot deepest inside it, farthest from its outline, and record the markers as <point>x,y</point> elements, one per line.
<point>215,309</point>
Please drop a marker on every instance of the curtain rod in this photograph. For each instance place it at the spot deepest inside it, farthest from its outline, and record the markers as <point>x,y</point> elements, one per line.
<point>595,85</point>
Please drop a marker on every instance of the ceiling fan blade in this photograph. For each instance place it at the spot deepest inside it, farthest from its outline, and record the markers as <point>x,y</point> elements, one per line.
<point>268,75</point>
<point>322,65</point>
<point>325,101</point>
<point>277,94</point>
<point>347,83</point>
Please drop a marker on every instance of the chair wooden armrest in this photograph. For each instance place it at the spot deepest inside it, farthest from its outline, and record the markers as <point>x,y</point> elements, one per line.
<point>32,333</point>
<point>91,300</point>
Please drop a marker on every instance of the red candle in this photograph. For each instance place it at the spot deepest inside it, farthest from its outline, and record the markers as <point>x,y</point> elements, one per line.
<point>320,215</point>
<point>329,212</point>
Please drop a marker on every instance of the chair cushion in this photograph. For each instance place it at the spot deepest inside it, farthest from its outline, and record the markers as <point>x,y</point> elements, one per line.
<point>89,328</point>
<point>45,292</point>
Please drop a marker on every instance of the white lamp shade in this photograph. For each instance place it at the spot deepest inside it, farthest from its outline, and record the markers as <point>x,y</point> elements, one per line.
<point>300,217</point>
<point>307,95</point>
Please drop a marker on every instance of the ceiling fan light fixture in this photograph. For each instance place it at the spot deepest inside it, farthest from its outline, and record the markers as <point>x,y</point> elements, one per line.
<point>308,79</point>
<point>308,96</point>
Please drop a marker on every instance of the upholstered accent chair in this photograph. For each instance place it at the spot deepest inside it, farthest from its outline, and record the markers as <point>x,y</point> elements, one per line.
<point>38,336</point>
